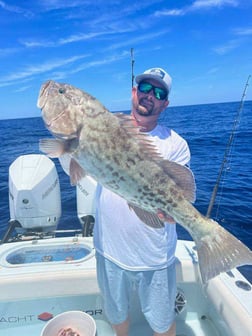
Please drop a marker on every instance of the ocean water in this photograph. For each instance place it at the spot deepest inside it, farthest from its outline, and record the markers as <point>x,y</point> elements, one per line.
<point>207,128</point>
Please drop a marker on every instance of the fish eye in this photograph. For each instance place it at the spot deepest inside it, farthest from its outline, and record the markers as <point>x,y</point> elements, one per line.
<point>62,90</point>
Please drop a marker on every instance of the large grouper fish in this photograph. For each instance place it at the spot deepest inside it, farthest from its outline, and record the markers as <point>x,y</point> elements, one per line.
<point>119,156</point>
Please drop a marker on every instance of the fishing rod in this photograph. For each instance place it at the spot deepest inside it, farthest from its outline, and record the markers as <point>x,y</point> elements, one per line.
<point>227,151</point>
<point>132,67</point>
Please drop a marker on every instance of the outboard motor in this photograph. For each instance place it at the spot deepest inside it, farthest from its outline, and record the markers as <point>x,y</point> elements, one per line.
<point>85,197</point>
<point>34,193</point>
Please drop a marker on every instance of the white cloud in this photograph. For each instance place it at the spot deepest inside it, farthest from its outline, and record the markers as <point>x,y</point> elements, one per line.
<point>136,40</point>
<point>197,6</point>
<point>243,31</point>
<point>58,4</point>
<point>8,51</point>
<point>53,66</point>
<point>227,47</point>
<point>203,4</point>
<point>72,38</point>
<point>240,37</point>
<point>212,71</point>
<point>61,41</point>
<point>108,60</point>
<point>38,69</point>
<point>16,9</point>
<point>171,12</point>
<point>23,88</point>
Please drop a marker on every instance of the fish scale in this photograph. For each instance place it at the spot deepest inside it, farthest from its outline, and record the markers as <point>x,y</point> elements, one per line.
<point>112,150</point>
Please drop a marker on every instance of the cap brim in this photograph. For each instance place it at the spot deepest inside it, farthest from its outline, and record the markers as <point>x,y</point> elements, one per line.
<point>140,78</point>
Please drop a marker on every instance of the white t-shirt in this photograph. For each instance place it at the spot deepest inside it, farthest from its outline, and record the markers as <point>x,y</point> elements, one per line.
<point>119,234</point>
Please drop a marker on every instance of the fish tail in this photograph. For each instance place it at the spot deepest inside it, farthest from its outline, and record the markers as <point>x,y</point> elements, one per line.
<point>220,252</point>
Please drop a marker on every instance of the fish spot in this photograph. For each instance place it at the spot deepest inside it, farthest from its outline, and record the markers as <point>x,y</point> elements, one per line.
<point>109,167</point>
<point>112,184</point>
<point>160,201</point>
<point>173,191</point>
<point>131,161</point>
<point>116,160</point>
<point>161,192</point>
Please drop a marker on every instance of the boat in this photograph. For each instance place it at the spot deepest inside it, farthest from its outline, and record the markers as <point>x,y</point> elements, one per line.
<point>45,272</point>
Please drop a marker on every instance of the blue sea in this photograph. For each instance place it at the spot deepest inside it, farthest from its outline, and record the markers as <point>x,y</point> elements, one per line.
<point>207,129</point>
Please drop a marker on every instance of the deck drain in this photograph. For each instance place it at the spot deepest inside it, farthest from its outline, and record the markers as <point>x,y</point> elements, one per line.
<point>243,285</point>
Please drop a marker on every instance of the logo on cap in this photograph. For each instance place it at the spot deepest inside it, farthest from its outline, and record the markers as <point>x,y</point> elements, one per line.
<point>158,72</point>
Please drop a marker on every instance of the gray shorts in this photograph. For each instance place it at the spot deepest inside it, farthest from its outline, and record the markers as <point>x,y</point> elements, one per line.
<point>156,290</point>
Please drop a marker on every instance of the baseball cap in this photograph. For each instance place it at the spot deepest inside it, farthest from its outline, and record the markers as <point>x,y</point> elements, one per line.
<point>159,75</point>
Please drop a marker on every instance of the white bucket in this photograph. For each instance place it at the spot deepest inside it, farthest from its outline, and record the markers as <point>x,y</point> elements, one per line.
<point>78,321</point>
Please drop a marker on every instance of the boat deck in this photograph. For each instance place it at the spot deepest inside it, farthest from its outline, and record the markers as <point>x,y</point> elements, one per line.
<point>32,293</point>
<point>26,317</point>
<point>192,328</point>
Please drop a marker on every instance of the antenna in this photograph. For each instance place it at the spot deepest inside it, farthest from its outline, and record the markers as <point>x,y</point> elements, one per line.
<point>132,66</point>
<point>227,151</point>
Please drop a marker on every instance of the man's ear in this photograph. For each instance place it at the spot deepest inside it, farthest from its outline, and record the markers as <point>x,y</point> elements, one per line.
<point>135,103</point>
<point>134,90</point>
<point>166,104</point>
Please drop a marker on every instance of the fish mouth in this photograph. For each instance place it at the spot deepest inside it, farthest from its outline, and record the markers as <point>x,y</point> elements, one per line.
<point>46,86</point>
<point>44,92</point>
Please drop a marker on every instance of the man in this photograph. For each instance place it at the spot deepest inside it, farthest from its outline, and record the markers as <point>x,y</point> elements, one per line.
<point>128,251</point>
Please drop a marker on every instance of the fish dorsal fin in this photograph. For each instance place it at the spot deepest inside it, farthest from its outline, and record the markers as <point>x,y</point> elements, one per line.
<point>148,218</point>
<point>182,176</point>
<point>144,140</point>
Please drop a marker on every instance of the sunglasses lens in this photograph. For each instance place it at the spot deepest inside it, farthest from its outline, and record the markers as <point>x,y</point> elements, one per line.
<point>159,93</point>
<point>145,87</point>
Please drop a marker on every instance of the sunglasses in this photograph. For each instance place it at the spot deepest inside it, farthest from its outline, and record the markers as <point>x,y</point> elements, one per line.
<point>159,93</point>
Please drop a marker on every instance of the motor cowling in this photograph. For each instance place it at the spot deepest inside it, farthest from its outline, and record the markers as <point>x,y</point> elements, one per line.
<point>34,192</point>
<point>85,197</point>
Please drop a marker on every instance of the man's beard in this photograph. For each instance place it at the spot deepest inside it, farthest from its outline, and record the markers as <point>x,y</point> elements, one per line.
<point>146,107</point>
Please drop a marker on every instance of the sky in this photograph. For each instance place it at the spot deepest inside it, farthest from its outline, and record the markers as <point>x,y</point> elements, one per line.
<point>205,45</point>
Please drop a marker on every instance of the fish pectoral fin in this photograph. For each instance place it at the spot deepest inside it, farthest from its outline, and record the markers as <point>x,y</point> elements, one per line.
<point>183,177</point>
<point>76,172</point>
<point>148,218</point>
<point>53,148</point>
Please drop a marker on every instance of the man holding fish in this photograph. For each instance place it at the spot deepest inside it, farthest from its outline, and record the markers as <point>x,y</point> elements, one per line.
<point>132,254</point>
<point>143,181</point>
